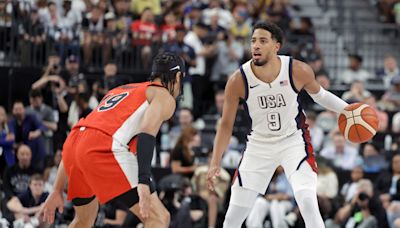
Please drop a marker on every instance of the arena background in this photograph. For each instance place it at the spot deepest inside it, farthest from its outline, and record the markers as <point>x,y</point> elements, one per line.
<point>72,52</point>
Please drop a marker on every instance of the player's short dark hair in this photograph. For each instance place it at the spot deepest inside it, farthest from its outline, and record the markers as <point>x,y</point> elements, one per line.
<point>276,32</point>
<point>165,66</point>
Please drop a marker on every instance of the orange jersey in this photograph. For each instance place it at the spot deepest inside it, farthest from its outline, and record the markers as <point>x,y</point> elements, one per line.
<point>119,113</point>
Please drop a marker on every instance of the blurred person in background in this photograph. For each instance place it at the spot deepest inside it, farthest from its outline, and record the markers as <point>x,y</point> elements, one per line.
<point>323,79</point>
<point>138,6</point>
<point>111,215</point>
<point>215,8</point>
<point>390,69</point>
<point>241,27</point>
<point>114,38</point>
<point>391,99</point>
<point>387,182</point>
<point>45,114</point>
<point>364,209</point>
<point>396,123</point>
<point>341,154</point>
<point>215,199</point>
<point>373,160</point>
<point>383,116</point>
<point>349,189</point>
<point>82,104</point>
<point>28,129</point>
<point>16,178</point>
<point>357,92</point>
<point>26,206</point>
<point>317,134</point>
<point>144,34</point>
<point>109,81</point>
<point>183,156</point>
<point>168,27</point>
<point>33,32</point>
<point>229,54</point>
<point>185,119</point>
<point>93,27</point>
<point>354,71</point>
<point>6,141</point>
<point>50,172</point>
<point>327,189</point>
<point>277,202</point>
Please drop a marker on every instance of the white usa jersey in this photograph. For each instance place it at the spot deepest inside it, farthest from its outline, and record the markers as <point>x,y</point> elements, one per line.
<point>273,108</point>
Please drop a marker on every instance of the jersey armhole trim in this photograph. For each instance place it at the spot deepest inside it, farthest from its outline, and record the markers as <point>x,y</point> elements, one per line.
<point>291,75</point>
<point>246,84</point>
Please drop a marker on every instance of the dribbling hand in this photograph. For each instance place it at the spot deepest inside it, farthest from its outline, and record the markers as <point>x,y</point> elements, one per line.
<point>54,201</point>
<point>213,173</point>
<point>144,200</point>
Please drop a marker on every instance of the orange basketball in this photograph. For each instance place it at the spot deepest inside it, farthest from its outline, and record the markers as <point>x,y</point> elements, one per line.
<point>358,123</point>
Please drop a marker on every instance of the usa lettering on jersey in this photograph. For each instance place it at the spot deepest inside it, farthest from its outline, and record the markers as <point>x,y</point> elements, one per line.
<point>271,101</point>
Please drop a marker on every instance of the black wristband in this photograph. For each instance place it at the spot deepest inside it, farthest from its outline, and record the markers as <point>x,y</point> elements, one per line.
<point>145,148</point>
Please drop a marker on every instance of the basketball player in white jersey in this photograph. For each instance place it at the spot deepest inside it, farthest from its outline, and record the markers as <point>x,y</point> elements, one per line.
<point>268,85</point>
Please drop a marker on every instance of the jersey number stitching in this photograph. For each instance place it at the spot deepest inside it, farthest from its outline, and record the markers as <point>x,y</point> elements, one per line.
<point>274,121</point>
<point>112,101</point>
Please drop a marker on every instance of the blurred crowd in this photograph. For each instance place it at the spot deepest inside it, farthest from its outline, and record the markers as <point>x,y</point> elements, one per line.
<point>389,11</point>
<point>358,185</point>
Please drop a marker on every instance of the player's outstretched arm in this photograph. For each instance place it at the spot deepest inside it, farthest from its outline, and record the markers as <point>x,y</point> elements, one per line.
<point>304,78</point>
<point>56,199</point>
<point>161,108</point>
<point>233,91</point>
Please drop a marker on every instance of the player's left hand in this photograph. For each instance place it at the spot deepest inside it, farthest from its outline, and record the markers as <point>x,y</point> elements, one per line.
<point>54,201</point>
<point>144,200</point>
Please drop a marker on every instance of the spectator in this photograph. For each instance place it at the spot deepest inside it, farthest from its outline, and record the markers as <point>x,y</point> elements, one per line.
<point>396,123</point>
<point>199,80</point>
<point>93,36</point>
<point>185,119</point>
<point>230,52</point>
<point>323,79</point>
<point>144,33</point>
<point>16,178</point>
<point>383,116</point>
<point>391,99</point>
<point>26,206</point>
<point>114,38</point>
<point>389,70</point>
<point>193,15</point>
<point>340,153</point>
<point>216,109</point>
<point>168,28</point>
<point>327,188</point>
<point>215,199</point>
<point>215,31</point>
<point>82,104</point>
<point>45,114</point>
<point>364,209</point>
<point>6,140</point>
<point>354,71</point>
<point>6,21</point>
<point>28,129</point>
<point>302,37</point>
<point>373,160</point>
<point>111,215</point>
<point>387,182</point>
<point>139,6</point>
<point>277,201</point>
<point>110,79</point>
<point>349,189</point>
<point>68,40</point>
<point>188,54</point>
<point>34,36</point>
<point>182,156</point>
<point>357,92</point>
<point>52,19</point>
<point>215,9</point>
<point>317,134</point>
<point>241,27</point>
<point>50,172</point>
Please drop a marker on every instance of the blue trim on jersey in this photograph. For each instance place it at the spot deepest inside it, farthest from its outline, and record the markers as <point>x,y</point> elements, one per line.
<point>246,84</point>
<point>291,76</point>
<point>300,120</point>
<point>249,120</point>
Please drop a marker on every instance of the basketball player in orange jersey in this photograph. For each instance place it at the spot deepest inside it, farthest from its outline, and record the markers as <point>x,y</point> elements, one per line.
<point>107,156</point>
<point>268,85</point>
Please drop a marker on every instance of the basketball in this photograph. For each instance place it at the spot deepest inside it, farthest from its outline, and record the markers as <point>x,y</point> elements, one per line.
<point>358,123</point>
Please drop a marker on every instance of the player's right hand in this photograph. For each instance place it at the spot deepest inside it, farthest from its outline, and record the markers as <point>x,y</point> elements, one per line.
<point>144,200</point>
<point>213,173</point>
<point>54,201</point>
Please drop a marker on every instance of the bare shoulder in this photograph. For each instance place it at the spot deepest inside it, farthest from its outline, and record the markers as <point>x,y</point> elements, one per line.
<point>236,84</point>
<point>161,97</point>
<point>302,72</point>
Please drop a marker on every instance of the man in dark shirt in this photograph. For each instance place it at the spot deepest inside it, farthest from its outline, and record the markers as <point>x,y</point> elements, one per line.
<point>26,206</point>
<point>28,129</point>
